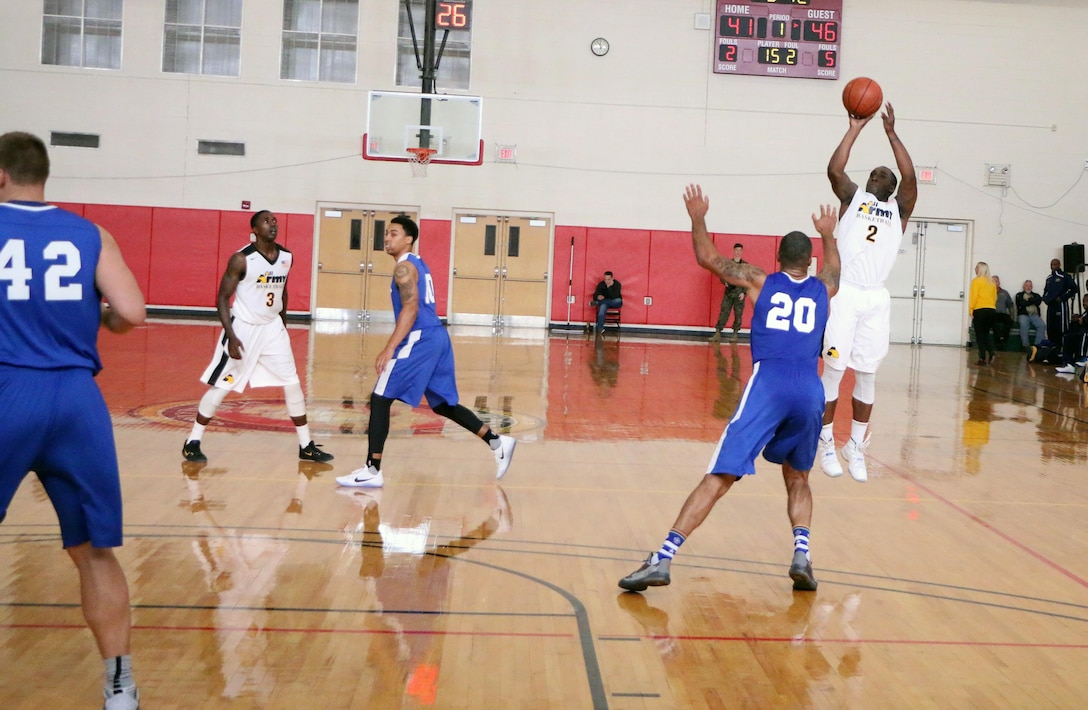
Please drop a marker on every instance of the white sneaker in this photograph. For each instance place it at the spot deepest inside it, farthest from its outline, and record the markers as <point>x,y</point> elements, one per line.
<point>855,459</point>
<point>1082,362</point>
<point>504,454</point>
<point>364,497</point>
<point>829,461</point>
<point>1067,369</point>
<point>366,477</point>
<point>125,700</point>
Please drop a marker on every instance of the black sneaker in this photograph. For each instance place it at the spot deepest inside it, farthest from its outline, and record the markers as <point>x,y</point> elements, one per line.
<point>313,452</point>
<point>191,451</point>
<point>801,573</point>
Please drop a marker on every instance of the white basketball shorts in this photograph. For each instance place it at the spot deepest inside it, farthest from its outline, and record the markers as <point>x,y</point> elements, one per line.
<point>858,328</point>
<point>267,360</point>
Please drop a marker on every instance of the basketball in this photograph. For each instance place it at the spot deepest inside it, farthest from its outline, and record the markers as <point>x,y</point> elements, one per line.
<point>862,97</point>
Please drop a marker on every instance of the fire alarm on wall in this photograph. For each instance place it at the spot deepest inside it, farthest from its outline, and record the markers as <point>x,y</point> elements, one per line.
<point>245,204</point>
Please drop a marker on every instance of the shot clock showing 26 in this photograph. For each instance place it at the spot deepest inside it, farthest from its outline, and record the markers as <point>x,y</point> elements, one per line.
<point>798,38</point>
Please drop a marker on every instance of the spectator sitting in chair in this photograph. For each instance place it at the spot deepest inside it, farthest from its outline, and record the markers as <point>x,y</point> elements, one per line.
<point>1075,342</point>
<point>1028,307</point>
<point>606,296</point>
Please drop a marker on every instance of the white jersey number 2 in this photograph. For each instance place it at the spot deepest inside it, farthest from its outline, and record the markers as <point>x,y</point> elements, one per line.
<point>800,313</point>
<point>14,270</point>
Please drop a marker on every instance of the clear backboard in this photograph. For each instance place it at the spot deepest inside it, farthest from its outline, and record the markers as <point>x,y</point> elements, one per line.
<point>399,121</point>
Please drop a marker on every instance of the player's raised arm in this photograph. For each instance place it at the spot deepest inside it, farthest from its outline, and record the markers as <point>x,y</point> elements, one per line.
<point>824,223</point>
<point>908,185</point>
<point>707,255</point>
<point>843,187</point>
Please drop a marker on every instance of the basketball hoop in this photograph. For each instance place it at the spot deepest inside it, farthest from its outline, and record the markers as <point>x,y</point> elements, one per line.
<point>419,159</point>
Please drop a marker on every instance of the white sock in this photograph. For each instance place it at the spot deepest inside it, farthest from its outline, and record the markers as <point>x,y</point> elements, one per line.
<point>196,433</point>
<point>119,675</point>
<point>303,435</point>
<point>825,432</point>
<point>857,431</point>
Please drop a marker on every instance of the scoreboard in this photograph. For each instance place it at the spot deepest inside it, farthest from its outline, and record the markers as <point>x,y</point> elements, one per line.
<point>798,38</point>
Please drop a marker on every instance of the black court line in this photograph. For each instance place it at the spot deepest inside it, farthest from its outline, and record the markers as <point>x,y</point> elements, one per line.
<point>823,573</point>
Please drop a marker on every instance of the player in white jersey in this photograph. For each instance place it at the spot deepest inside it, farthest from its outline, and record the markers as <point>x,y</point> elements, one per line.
<point>254,349</point>
<point>871,227</point>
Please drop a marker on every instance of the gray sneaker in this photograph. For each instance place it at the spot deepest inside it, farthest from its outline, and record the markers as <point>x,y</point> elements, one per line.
<point>801,573</point>
<point>650,574</point>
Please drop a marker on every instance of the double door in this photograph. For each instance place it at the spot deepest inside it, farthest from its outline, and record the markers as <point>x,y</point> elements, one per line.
<point>500,270</point>
<point>928,282</point>
<point>353,270</point>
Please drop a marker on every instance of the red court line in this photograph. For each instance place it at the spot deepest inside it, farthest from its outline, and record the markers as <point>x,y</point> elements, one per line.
<point>284,630</point>
<point>1007,538</point>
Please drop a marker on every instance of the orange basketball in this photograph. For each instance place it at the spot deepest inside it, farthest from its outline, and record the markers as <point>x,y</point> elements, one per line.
<point>862,97</point>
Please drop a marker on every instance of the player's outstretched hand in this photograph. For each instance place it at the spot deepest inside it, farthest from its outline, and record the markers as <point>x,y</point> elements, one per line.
<point>825,221</point>
<point>697,203</point>
<point>888,116</point>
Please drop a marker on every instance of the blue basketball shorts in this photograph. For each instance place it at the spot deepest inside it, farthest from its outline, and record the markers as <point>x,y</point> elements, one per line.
<point>55,423</point>
<point>422,365</point>
<point>780,414</point>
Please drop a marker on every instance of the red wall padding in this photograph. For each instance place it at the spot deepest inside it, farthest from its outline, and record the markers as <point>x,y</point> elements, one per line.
<point>178,257</point>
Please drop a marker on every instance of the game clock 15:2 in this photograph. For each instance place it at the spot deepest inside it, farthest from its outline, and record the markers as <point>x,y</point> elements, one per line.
<point>794,38</point>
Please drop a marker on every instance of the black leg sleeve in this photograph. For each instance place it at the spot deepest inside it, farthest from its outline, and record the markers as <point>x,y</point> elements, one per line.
<point>378,429</point>
<point>462,415</point>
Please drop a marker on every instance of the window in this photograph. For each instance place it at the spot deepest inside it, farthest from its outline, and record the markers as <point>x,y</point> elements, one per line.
<point>74,140</point>
<point>319,40</point>
<point>82,33</point>
<point>220,148</point>
<point>453,65</point>
<point>202,37</point>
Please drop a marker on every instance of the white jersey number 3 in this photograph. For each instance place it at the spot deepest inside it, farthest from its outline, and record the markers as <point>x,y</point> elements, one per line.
<point>14,270</point>
<point>800,313</point>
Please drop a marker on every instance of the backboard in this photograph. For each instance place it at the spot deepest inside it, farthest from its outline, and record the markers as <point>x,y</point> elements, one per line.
<point>397,121</point>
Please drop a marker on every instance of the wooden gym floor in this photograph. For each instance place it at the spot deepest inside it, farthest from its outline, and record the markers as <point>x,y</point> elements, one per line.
<point>954,578</point>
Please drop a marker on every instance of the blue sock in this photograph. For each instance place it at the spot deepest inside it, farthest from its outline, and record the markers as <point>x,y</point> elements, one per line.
<point>670,547</point>
<point>800,541</point>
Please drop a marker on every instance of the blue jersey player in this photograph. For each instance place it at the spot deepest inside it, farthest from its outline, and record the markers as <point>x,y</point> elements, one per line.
<point>416,361</point>
<point>55,270</point>
<point>780,412</point>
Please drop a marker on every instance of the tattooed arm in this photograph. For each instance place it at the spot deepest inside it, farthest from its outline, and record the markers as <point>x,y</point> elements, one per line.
<point>407,280</point>
<point>746,276</point>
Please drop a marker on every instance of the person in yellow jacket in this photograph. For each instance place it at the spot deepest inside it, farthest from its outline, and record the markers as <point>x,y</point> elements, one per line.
<point>983,307</point>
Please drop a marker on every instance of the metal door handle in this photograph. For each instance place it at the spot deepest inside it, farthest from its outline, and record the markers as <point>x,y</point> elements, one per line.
<point>504,272</point>
<point>916,292</point>
<point>455,271</point>
<point>319,266</point>
<point>923,292</point>
<point>496,272</point>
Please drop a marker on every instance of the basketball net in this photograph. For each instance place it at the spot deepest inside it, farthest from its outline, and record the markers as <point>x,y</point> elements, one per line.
<point>419,159</point>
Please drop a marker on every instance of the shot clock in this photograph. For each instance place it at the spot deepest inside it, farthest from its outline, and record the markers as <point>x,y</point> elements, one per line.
<point>453,15</point>
<point>798,38</point>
